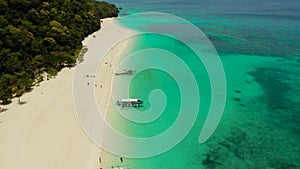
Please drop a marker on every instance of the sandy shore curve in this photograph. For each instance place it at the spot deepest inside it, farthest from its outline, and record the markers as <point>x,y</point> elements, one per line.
<point>45,133</point>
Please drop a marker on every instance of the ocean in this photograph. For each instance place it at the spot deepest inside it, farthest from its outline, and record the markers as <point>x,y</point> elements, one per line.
<point>259,47</point>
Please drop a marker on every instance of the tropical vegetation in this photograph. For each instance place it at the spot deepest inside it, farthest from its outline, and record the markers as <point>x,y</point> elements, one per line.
<point>38,36</point>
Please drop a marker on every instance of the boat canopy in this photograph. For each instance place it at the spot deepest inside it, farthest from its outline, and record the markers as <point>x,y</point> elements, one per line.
<point>130,101</point>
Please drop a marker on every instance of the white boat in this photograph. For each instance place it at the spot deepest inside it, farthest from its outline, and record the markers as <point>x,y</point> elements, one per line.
<point>129,102</point>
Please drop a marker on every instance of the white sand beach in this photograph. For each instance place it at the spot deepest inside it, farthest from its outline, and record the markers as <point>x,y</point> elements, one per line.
<point>44,132</point>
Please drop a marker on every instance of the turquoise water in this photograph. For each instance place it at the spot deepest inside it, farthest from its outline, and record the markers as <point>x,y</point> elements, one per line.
<point>153,78</point>
<point>258,43</point>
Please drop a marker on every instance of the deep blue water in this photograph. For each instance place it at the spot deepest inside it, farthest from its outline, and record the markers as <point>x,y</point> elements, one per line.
<point>259,45</point>
<point>264,27</point>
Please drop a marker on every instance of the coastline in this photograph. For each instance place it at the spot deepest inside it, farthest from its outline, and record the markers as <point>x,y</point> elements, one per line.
<point>45,132</point>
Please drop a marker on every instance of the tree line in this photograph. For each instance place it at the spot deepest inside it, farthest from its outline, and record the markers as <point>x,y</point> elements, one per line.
<point>39,36</point>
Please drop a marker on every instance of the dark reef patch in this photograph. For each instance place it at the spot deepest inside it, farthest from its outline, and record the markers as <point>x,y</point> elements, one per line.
<point>267,131</point>
<point>236,99</point>
<point>281,88</point>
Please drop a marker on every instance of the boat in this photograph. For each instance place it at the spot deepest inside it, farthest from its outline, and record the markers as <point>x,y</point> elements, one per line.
<point>126,72</point>
<point>129,102</point>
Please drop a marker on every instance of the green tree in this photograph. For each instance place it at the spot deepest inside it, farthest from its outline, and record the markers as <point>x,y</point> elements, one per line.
<point>38,36</point>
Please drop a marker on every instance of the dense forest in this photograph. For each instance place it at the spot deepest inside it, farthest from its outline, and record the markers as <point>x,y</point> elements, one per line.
<point>38,36</point>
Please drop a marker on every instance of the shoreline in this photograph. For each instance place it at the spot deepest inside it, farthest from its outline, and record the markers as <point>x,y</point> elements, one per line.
<point>109,66</point>
<point>45,132</point>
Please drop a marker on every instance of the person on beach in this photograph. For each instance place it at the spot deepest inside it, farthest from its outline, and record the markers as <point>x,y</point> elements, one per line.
<point>121,159</point>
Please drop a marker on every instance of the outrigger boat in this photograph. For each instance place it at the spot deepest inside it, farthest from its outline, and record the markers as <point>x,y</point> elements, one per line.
<point>126,72</point>
<point>130,103</point>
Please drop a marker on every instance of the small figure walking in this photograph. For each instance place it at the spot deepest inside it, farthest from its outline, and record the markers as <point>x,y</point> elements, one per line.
<point>121,159</point>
